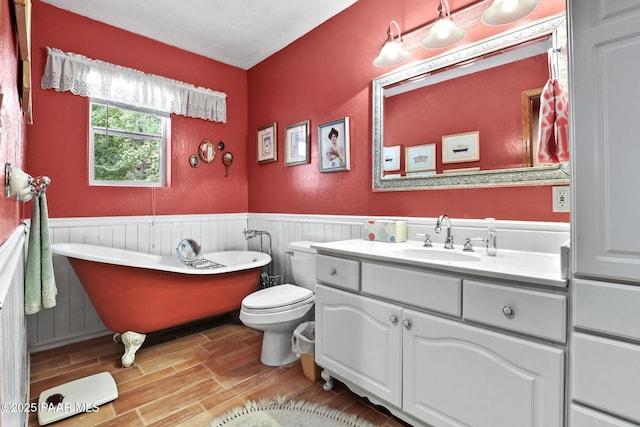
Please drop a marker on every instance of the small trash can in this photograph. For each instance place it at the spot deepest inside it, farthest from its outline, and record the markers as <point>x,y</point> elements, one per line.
<point>303,343</point>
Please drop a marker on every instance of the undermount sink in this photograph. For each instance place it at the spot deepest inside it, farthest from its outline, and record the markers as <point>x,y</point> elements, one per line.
<point>432,254</point>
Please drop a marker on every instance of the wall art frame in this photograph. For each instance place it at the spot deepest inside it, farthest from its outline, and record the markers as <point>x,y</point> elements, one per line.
<point>420,158</point>
<point>461,147</point>
<point>391,158</point>
<point>296,144</point>
<point>334,146</point>
<point>268,143</point>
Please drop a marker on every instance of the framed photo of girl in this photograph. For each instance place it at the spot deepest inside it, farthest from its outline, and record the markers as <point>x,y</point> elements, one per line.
<point>267,143</point>
<point>333,145</point>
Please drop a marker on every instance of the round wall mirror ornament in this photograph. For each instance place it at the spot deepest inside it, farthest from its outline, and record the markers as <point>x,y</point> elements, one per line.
<point>207,151</point>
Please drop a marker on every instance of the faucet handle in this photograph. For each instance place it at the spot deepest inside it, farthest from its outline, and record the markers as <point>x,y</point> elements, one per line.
<point>427,239</point>
<point>468,246</point>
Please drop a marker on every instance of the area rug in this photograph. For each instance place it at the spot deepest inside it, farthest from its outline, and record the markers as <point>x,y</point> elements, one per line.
<point>281,412</point>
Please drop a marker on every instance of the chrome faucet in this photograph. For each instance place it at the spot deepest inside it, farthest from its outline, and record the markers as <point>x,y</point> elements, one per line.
<point>448,242</point>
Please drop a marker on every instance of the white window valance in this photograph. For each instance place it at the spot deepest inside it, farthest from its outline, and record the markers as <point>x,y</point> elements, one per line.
<point>82,76</point>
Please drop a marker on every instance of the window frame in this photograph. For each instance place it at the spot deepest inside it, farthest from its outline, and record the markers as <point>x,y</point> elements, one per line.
<point>163,139</point>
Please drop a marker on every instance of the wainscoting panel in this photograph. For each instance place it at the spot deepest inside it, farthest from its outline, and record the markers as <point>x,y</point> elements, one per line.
<point>14,367</point>
<point>74,318</point>
<point>291,228</point>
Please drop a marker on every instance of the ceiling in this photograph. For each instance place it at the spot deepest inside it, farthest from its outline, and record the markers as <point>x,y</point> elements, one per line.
<point>236,32</point>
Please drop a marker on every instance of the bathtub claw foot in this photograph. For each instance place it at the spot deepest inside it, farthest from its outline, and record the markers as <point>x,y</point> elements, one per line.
<point>328,381</point>
<point>132,342</point>
<point>116,337</point>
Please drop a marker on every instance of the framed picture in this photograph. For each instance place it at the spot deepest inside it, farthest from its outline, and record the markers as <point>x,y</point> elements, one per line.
<point>461,147</point>
<point>420,158</point>
<point>333,145</point>
<point>391,158</point>
<point>267,144</point>
<point>296,144</point>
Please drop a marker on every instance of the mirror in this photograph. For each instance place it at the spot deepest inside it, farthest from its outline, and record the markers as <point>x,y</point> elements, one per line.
<point>207,151</point>
<point>188,250</point>
<point>227,159</point>
<point>413,125</point>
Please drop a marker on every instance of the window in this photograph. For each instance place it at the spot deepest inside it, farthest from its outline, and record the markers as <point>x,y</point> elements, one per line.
<point>127,145</point>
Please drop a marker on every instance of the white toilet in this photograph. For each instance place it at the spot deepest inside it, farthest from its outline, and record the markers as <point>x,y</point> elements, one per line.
<point>278,310</point>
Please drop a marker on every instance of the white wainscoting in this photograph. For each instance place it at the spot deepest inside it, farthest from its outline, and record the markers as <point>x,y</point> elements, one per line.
<point>74,318</point>
<point>14,365</point>
<point>290,228</point>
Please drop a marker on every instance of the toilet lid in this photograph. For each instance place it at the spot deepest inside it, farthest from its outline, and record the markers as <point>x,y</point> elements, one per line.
<point>276,296</point>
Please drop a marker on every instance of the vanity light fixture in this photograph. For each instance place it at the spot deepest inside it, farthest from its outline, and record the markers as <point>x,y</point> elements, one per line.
<point>444,31</point>
<point>392,52</point>
<point>503,12</point>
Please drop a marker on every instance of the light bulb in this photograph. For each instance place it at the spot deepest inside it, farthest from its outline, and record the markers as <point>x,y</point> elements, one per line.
<point>508,6</point>
<point>442,28</point>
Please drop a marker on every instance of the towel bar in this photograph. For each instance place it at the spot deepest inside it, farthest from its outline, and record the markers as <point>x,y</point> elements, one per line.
<point>23,185</point>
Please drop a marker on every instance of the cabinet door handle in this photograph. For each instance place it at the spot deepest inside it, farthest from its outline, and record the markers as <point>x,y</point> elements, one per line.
<point>333,271</point>
<point>394,319</point>
<point>407,323</point>
<point>508,311</point>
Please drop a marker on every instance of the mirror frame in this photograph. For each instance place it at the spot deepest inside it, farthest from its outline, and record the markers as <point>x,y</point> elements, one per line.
<point>539,175</point>
<point>207,151</point>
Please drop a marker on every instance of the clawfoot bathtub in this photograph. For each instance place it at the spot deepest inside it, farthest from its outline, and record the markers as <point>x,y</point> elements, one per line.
<point>136,293</point>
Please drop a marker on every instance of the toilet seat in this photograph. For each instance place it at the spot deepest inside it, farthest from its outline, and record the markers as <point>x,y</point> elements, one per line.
<point>277,298</point>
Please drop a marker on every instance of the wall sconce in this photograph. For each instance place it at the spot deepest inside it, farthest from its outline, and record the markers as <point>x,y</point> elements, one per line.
<point>503,12</point>
<point>444,31</point>
<point>392,52</point>
<point>20,183</point>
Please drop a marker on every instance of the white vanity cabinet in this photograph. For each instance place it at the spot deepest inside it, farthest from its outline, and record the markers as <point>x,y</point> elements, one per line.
<point>461,375</point>
<point>359,340</point>
<point>605,99</point>
<point>402,340</point>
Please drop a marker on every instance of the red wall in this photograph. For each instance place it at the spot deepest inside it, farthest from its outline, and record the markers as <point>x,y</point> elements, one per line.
<point>327,75</point>
<point>12,121</point>
<point>57,141</point>
<point>321,77</point>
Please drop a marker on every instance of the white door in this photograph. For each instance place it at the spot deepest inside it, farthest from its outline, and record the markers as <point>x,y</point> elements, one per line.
<point>360,339</point>
<point>605,151</point>
<point>460,375</point>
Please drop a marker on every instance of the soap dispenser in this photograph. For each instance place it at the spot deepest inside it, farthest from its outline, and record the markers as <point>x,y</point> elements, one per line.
<point>492,247</point>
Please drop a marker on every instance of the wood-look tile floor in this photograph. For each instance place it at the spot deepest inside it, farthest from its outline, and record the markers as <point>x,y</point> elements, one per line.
<point>186,376</point>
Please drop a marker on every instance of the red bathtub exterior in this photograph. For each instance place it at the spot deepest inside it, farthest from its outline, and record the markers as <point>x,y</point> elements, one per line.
<point>145,300</point>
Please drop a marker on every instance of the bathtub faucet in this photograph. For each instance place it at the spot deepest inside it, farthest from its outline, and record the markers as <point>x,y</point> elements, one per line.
<point>249,234</point>
<point>267,278</point>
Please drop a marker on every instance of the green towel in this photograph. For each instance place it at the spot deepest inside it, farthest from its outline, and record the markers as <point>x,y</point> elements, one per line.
<point>40,287</point>
<point>49,290</point>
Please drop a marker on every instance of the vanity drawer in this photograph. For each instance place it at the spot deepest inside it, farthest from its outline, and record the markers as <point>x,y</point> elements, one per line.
<point>606,375</point>
<point>585,417</point>
<point>343,273</point>
<point>417,288</point>
<point>607,307</point>
<point>531,312</point>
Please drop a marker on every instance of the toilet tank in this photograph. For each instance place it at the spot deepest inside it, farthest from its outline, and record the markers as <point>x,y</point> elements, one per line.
<point>303,264</point>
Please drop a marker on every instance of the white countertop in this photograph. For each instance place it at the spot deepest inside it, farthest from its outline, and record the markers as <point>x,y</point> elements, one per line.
<point>530,267</point>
